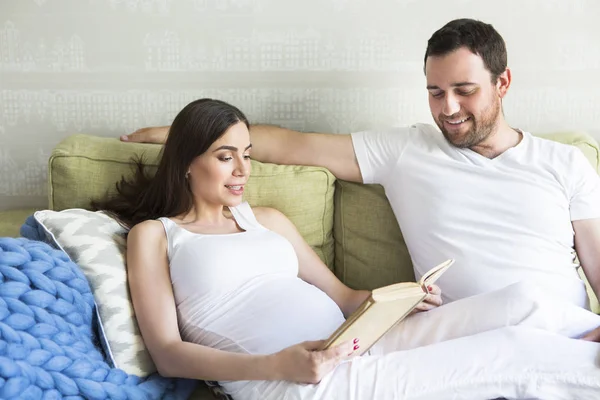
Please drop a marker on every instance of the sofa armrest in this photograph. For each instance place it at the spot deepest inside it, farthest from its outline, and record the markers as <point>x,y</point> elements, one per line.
<point>11,221</point>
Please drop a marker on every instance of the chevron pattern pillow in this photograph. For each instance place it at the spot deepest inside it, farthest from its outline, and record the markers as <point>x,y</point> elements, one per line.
<point>97,243</point>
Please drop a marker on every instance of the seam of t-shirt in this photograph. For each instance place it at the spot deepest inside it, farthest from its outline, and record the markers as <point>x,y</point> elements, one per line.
<point>361,154</point>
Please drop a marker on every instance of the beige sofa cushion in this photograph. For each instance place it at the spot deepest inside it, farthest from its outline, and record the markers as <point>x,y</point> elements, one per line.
<point>370,250</point>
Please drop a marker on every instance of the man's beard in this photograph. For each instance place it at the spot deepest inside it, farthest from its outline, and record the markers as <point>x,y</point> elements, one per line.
<point>479,130</point>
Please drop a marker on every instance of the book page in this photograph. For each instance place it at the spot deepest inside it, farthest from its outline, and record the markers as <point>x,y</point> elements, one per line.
<point>433,274</point>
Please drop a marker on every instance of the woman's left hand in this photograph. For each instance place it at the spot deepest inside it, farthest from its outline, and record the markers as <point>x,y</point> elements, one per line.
<point>432,300</point>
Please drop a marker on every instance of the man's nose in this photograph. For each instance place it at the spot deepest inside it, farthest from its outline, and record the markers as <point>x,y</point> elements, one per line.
<point>451,105</point>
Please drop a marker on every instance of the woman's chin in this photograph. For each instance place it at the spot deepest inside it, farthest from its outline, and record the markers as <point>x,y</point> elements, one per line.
<point>233,201</point>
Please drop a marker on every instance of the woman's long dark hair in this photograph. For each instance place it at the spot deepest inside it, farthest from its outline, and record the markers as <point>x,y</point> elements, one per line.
<point>168,193</point>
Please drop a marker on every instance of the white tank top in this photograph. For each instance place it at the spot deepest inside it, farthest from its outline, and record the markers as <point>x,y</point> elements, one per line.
<point>241,292</point>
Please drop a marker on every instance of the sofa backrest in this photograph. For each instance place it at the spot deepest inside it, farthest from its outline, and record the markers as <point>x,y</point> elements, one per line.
<point>83,167</point>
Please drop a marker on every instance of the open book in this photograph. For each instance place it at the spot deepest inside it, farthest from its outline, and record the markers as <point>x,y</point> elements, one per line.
<point>384,308</point>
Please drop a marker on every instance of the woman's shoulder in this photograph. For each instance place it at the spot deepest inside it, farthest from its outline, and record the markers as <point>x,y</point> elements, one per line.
<point>147,246</point>
<point>267,213</point>
<point>272,219</point>
<point>149,229</point>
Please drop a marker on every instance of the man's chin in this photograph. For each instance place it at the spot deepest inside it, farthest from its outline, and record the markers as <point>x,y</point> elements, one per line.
<point>455,139</point>
<point>459,141</point>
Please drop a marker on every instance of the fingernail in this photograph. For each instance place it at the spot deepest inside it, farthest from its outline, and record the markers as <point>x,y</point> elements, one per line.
<point>356,347</point>
<point>124,138</point>
<point>430,288</point>
<point>355,340</point>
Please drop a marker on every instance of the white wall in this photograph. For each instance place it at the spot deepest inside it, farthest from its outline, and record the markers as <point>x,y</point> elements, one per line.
<point>108,67</point>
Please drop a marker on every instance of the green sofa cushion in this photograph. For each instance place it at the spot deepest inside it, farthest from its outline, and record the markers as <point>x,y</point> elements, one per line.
<point>83,167</point>
<point>369,248</point>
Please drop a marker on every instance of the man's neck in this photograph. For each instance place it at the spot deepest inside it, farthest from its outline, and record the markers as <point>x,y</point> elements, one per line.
<point>501,139</point>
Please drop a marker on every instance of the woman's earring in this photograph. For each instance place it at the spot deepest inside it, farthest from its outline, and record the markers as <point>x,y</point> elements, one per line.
<point>187,174</point>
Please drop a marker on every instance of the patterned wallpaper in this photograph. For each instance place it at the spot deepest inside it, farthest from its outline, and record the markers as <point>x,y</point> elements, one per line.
<point>108,67</point>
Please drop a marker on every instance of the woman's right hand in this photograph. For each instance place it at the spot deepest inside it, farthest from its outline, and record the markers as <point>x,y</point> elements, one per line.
<point>304,363</point>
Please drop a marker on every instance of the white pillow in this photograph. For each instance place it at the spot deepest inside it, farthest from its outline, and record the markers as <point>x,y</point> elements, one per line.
<point>97,243</point>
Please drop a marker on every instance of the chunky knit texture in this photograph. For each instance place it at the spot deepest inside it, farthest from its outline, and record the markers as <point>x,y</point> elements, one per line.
<point>48,349</point>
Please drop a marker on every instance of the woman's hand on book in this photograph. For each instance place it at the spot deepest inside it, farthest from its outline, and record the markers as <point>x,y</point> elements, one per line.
<point>432,300</point>
<point>305,363</point>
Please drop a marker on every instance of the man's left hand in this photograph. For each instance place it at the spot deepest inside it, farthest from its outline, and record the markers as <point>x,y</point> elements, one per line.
<point>593,336</point>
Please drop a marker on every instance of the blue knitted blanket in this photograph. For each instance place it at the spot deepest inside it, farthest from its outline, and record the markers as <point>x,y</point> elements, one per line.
<point>48,347</point>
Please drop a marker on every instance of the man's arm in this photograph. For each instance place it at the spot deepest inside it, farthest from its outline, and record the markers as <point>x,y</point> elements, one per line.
<point>277,145</point>
<point>284,146</point>
<point>587,246</point>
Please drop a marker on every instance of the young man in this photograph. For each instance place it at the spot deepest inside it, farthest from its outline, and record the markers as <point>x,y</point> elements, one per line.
<point>506,205</point>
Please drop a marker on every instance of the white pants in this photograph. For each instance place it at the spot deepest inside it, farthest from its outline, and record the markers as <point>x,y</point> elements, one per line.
<point>514,343</point>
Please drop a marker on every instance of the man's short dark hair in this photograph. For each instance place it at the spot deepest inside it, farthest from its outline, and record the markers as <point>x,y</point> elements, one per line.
<point>480,38</point>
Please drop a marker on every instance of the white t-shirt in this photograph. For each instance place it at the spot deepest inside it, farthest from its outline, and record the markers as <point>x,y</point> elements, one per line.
<point>503,220</point>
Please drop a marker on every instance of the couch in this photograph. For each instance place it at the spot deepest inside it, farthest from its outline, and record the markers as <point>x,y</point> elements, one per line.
<point>351,226</point>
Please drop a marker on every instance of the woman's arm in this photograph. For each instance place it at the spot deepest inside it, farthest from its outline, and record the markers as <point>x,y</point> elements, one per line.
<point>154,305</point>
<point>310,267</point>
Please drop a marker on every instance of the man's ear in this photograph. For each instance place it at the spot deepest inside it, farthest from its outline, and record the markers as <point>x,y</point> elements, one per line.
<point>503,83</point>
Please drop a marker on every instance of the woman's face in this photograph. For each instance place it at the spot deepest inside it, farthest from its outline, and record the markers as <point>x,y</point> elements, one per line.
<point>219,175</point>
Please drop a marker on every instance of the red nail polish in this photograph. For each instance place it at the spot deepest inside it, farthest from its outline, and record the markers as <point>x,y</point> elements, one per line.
<point>356,347</point>
<point>430,288</point>
<point>355,340</point>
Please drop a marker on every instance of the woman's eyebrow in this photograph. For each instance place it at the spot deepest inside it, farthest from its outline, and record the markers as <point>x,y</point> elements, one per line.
<point>232,148</point>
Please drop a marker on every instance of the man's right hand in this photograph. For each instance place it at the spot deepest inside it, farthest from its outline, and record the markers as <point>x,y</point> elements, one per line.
<point>154,134</point>
<point>304,363</point>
